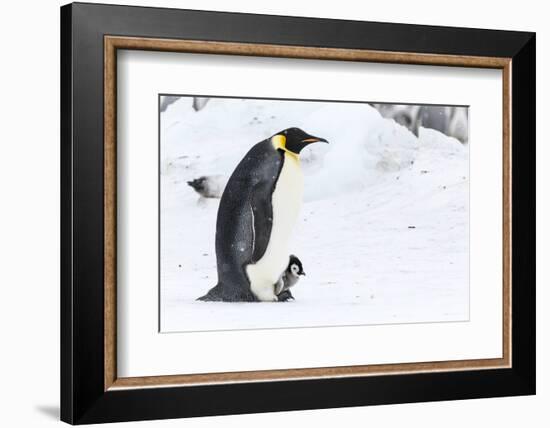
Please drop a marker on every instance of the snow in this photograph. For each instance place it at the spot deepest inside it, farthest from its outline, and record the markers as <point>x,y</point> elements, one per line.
<point>382,234</point>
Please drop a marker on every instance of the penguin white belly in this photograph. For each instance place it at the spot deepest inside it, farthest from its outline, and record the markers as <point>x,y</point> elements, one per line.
<point>286,202</point>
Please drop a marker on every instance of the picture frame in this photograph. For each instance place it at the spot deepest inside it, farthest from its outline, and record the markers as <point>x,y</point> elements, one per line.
<point>91,390</point>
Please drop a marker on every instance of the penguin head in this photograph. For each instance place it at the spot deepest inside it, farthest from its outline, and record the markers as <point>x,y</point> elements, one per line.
<point>295,266</point>
<point>294,140</point>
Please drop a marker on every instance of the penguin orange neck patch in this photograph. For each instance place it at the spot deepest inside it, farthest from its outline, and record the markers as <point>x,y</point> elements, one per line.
<point>279,142</point>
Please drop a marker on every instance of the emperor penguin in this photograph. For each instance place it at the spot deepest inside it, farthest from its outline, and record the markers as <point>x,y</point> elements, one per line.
<point>257,213</point>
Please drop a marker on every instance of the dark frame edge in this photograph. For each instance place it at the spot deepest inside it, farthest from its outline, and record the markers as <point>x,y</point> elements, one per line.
<point>524,216</point>
<point>66,303</point>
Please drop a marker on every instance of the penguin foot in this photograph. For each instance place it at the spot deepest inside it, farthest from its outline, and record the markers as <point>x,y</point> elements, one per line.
<point>285,296</point>
<point>213,295</point>
<point>209,298</point>
<point>221,294</point>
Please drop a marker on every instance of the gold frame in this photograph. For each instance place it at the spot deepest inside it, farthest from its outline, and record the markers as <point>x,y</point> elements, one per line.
<point>112,43</point>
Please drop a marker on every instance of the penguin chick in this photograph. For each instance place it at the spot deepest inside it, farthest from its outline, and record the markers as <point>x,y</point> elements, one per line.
<point>208,186</point>
<point>289,278</point>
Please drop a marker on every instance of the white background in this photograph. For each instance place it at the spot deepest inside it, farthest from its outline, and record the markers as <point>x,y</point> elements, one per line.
<point>144,352</point>
<point>29,220</point>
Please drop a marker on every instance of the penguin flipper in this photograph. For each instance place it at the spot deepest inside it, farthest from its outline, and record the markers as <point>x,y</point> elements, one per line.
<point>262,215</point>
<point>280,284</point>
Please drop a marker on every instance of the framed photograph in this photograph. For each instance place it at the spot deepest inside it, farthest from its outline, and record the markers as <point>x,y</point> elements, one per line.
<point>267,213</point>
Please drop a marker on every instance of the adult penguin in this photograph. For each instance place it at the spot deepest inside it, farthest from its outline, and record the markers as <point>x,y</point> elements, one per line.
<point>257,212</point>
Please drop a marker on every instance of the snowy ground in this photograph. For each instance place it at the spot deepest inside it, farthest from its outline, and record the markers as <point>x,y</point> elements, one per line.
<point>383,233</point>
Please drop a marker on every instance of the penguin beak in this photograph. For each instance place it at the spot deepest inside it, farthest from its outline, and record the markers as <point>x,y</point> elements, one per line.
<point>314,140</point>
<point>303,273</point>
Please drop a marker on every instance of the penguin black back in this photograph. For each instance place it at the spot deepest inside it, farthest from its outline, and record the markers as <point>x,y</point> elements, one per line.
<point>237,244</point>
